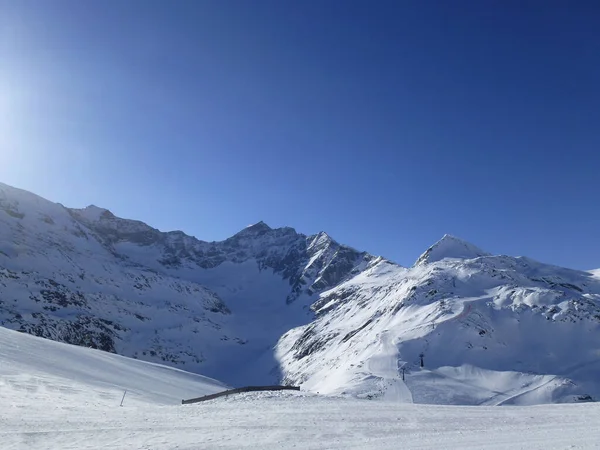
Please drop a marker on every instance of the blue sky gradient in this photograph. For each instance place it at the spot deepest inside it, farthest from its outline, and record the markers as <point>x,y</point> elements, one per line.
<point>386,124</point>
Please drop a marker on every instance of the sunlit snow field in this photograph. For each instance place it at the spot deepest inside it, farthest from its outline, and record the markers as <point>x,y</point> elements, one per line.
<point>56,396</point>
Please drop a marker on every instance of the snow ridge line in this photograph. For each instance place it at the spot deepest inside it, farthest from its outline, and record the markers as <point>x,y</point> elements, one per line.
<point>465,312</point>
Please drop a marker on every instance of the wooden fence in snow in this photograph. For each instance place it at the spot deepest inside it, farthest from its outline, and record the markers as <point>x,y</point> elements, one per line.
<point>239,391</point>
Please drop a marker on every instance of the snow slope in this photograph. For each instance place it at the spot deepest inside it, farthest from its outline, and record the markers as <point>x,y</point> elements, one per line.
<point>58,396</point>
<point>268,305</point>
<point>87,277</point>
<point>40,371</point>
<point>281,421</point>
<point>491,330</point>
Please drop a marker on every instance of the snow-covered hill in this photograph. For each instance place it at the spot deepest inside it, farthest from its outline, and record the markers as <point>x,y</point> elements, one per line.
<point>36,370</point>
<point>488,330</point>
<point>272,304</point>
<point>58,396</point>
<point>89,278</point>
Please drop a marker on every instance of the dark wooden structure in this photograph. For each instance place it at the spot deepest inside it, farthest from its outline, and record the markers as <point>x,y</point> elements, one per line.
<point>239,391</point>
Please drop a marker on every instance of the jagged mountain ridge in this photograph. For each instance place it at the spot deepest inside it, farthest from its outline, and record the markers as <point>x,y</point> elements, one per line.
<point>272,304</point>
<point>481,330</point>
<point>310,263</point>
<point>87,277</point>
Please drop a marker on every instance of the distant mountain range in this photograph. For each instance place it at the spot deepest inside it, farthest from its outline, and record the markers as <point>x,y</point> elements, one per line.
<point>459,327</point>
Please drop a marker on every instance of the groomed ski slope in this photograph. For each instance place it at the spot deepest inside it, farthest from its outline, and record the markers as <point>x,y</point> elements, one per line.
<point>35,371</point>
<point>56,396</point>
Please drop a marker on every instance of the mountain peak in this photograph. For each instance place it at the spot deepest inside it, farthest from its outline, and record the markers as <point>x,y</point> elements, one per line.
<point>323,236</point>
<point>450,247</point>
<point>93,213</point>
<point>320,240</point>
<point>257,229</point>
<point>259,226</point>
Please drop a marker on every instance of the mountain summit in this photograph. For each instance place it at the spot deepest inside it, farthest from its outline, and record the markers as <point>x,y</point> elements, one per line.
<point>450,247</point>
<point>272,305</point>
<point>256,229</point>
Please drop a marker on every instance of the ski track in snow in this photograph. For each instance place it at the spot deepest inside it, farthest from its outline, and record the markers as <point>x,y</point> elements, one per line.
<point>511,396</point>
<point>384,364</point>
<point>270,421</point>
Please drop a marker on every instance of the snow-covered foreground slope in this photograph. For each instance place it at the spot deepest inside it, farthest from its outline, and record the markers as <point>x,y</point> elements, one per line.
<point>36,372</point>
<point>283,421</point>
<point>58,396</point>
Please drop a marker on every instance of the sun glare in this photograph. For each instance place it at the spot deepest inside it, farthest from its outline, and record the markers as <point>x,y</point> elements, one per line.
<point>6,123</point>
<point>10,120</point>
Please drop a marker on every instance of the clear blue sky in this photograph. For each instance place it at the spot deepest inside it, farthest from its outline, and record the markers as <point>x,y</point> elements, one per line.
<point>386,123</point>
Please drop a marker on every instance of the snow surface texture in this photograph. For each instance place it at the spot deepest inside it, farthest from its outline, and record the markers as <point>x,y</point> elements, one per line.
<point>35,370</point>
<point>57,396</point>
<point>269,305</point>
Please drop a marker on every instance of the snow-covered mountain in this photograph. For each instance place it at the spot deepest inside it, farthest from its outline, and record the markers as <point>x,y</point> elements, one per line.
<point>89,278</point>
<point>464,327</point>
<point>273,304</point>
